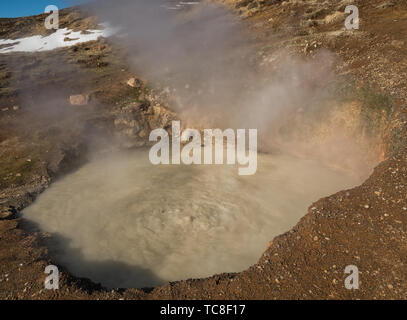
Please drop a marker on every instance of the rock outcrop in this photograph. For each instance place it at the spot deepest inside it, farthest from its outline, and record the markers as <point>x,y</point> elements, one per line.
<point>79,100</point>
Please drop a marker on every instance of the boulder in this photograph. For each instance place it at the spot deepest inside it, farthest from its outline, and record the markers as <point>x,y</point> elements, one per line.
<point>79,100</point>
<point>134,83</point>
<point>7,213</point>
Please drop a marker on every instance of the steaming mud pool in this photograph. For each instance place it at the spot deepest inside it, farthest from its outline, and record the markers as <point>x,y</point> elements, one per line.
<point>123,222</point>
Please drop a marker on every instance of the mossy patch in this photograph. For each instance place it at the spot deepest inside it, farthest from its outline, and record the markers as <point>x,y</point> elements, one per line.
<point>375,106</point>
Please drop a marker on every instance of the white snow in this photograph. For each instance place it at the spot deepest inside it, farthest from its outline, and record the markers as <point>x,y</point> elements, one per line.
<point>55,40</point>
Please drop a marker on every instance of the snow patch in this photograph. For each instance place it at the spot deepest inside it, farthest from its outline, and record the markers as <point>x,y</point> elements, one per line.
<point>59,39</point>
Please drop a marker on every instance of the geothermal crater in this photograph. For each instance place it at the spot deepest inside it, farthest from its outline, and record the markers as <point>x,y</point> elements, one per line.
<point>123,222</point>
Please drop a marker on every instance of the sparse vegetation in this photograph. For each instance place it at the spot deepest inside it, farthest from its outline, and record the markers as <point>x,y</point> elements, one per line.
<point>375,106</point>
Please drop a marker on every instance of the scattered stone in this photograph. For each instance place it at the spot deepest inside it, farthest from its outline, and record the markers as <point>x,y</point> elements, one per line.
<point>134,83</point>
<point>5,214</point>
<point>398,43</point>
<point>79,99</point>
<point>157,111</point>
<point>334,17</point>
<point>142,134</point>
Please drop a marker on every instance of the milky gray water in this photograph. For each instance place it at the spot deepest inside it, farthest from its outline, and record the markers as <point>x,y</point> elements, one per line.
<point>123,222</point>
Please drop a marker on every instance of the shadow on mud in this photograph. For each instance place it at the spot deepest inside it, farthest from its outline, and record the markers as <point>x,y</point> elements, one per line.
<point>107,274</point>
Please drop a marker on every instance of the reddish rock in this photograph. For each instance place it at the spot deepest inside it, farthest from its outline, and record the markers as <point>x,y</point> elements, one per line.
<point>134,83</point>
<point>79,99</point>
